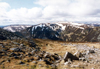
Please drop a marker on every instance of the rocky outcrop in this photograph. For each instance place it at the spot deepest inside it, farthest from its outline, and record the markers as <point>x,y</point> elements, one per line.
<point>68,55</point>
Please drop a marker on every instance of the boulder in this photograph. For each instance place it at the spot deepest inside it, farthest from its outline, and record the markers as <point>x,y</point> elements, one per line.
<point>68,55</point>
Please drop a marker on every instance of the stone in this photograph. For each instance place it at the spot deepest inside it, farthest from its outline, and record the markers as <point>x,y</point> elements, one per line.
<point>15,49</point>
<point>34,62</point>
<point>78,54</point>
<point>47,55</point>
<point>26,60</point>
<point>58,61</point>
<point>56,57</point>
<point>53,66</point>
<point>16,57</point>
<point>83,59</point>
<point>33,51</point>
<point>15,43</point>
<point>68,62</point>
<point>8,60</point>
<point>20,62</point>
<point>3,50</point>
<point>90,51</point>
<point>68,55</point>
<point>12,54</point>
<point>21,45</point>
<point>75,66</point>
<point>47,61</point>
<point>2,45</point>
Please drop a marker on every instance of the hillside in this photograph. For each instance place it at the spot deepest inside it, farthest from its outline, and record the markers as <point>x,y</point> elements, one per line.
<point>7,35</point>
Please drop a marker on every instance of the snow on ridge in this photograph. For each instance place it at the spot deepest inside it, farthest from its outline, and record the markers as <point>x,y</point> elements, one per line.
<point>77,25</point>
<point>59,25</point>
<point>14,28</point>
<point>62,27</point>
<point>71,23</point>
<point>9,28</point>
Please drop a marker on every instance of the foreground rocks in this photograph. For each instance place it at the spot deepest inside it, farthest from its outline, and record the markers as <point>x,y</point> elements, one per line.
<point>26,53</point>
<point>23,52</point>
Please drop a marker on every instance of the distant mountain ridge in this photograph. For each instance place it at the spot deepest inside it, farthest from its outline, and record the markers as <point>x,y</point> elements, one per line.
<point>16,28</point>
<point>94,24</point>
<point>66,31</point>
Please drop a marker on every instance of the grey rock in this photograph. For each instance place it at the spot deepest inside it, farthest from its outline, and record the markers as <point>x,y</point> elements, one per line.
<point>90,51</point>
<point>12,54</point>
<point>53,66</point>
<point>15,43</point>
<point>78,54</point>
<point>34,62</point>
<point>20,62</point>
<point>15,49</point>
<point>74,66</point>
<point>21,44</point>
<point>68,62</point>
<point>2,45</point>
<point>82,59</point>
<point>69,56</point>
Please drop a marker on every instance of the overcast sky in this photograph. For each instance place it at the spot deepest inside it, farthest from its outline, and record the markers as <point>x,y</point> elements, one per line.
<point>39,11</point>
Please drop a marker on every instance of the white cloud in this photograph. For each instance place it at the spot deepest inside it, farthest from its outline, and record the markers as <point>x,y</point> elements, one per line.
<point>3,11</point>
<point>24,13</point>
<point>52,11</point>
<point>77,10</point>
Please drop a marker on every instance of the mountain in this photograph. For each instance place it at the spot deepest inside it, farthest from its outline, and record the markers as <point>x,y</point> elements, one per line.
<point>94,24</point>
<point>4,34</point>
<point>66,31</point>
<point>16,28</point>
<point>48,30</point>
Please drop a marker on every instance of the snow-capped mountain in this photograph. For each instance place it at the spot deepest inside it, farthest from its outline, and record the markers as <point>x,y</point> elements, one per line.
<point>67,31</point>
<point>16,28</point>
<point>59,25</point>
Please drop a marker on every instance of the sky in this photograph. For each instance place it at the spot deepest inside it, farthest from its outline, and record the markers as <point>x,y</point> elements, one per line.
<point>46,11</point>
